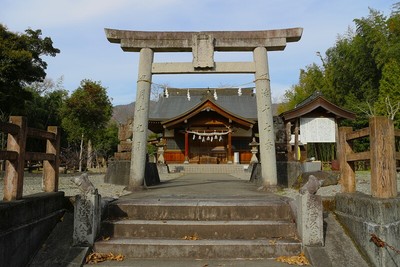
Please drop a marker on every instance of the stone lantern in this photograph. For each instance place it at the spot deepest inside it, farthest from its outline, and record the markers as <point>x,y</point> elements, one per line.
<point>254,150</point>
<point>160,151</point>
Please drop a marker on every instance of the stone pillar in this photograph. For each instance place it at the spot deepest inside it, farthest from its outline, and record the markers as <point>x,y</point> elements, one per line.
<point>265,119</point>
<point>186,147</point>
<point>87,218</point>
<point>310,222</point>
<point>141,119</point>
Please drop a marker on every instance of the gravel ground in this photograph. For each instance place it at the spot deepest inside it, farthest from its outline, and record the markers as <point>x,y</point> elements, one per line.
<point>32,184</point>
<point>362,185</point>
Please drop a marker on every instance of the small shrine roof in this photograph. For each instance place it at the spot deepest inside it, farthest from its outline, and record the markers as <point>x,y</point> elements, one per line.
<point>317,104</point>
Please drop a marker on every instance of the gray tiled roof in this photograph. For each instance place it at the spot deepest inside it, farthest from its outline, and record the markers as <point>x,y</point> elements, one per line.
<point>166,108</point>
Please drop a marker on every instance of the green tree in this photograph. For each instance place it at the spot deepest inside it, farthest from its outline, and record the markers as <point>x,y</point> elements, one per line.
<point>106,142</point>
<point>354,69</point>
<point>21,64</point>
<point>389,97</point>
<point>85,113</point>
<point>311,79</point>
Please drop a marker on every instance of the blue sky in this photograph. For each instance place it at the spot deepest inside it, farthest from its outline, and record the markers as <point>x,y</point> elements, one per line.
<point>77,29</point>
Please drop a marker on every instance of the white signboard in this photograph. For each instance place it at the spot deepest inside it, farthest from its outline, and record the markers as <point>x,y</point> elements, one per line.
<point>317,130</point>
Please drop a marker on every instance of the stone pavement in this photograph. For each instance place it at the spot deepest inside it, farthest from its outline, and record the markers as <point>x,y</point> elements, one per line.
<point>338,250</point>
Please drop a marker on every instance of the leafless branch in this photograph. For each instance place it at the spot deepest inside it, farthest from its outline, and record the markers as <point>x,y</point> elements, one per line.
<point>370,112</point>
<point>391,109</point>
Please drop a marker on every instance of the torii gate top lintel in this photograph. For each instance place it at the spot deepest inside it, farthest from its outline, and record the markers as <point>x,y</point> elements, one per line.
<point>273,40</point>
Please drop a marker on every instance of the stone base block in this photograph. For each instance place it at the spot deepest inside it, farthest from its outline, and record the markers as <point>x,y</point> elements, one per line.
<point>118,173</point>
<point>87,219</point>
<point>362,215</point>
<point>287,171</point>
<point>310,222</point>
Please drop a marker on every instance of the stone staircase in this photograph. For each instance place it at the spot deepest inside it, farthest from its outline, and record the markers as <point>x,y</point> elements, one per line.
<point>176,228</point>
<point>209,168</point>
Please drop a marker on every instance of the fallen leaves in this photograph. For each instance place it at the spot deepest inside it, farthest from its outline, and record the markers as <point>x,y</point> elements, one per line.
<point>300,260</point>
<point>97,257</point>
<point>191,237</point>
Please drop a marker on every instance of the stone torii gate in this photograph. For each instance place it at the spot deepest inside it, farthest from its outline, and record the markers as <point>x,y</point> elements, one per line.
<point>203,45</point>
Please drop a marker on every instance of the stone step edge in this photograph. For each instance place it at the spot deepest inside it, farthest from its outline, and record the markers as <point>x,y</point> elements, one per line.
<point>178,248</point>
<point>200,242</point>
<point>196,222</point>
<point>203,202</point>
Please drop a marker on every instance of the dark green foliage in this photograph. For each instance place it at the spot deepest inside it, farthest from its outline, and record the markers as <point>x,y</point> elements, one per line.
<point>20,65</point>
<point>360,72</point>
<point>106,141</point>
<point>87,111</point>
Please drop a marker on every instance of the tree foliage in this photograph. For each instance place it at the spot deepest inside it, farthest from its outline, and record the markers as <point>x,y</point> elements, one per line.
<point>87,111</point>
<point>21,64</point>
<point>360,72</point>
<point>106,142</point>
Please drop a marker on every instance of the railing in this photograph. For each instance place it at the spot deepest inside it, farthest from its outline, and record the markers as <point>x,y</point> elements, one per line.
<point>382,156</point>
<point>15,156</point>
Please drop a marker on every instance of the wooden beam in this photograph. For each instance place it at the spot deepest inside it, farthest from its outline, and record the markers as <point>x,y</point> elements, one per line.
<point>9,128</point>
<point>347,174</point>
<point>8,155</point>
<point>383,158</point>
<point>14,175</point>
<point>37,156</point>
<point>359,156</point>
<point>51,166</point>
<point>41,134</point>
<point>358,134</point>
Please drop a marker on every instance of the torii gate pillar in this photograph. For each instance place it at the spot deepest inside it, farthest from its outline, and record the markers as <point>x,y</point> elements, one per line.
<point>203,45</point>
<point>265,119</point>
<point>141,119</point>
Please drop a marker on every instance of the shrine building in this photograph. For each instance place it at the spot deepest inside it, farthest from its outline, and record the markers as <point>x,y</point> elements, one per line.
<point>206,126</point>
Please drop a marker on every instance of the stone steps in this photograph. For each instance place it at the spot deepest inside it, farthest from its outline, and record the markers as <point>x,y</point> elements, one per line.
<point>221,228</point>
<point>216,249</point>
<point>199,209</point>
<point>203,229</point>
<point>209,168</point>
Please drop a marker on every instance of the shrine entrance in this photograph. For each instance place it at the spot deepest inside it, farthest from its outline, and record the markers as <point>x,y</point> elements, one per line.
<point>202,45</point>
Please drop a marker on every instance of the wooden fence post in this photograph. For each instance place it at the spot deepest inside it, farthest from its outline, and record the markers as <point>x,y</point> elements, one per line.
<point>14,175</point>
<point>347,174</point>
<point>51,168</point>
<point>383,158</point>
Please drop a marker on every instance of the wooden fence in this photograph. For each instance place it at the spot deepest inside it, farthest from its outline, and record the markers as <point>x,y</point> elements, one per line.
<point>15,156</point>
<point>382,156</point>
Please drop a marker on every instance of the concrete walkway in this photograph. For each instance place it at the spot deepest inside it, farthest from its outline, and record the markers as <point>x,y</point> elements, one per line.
<point>201,186</point>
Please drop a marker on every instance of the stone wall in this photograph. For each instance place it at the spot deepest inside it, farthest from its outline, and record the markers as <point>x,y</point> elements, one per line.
<point>362,215</point>
<point>25,225</point>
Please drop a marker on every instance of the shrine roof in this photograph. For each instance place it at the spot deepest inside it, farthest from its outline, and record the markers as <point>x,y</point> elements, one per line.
<point>315,104</point>
<point>177,103</point>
